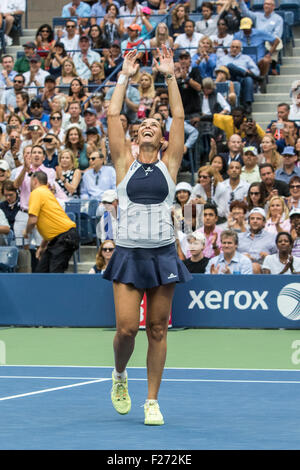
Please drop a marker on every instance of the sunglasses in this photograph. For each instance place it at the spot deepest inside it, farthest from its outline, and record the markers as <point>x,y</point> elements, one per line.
<point>203,177</point>
<point>70,26</point>
<point>35,106</point>
<point>18,81</point>
<point>108,249</point>
<point>254,193</point>
<point>45,31</point>
<point>295,186</point>
<point>55,118</point>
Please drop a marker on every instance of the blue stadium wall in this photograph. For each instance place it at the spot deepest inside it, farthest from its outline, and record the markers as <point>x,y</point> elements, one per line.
<point>84,300</point>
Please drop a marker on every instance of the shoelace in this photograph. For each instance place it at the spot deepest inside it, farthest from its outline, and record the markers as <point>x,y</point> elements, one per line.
<point>120,391</point>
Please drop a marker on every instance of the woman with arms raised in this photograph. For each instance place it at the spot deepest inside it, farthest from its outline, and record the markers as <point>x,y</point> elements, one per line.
<point>145,258</point>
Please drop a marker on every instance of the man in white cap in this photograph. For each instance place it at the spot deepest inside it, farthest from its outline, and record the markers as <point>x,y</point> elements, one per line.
<point>108,211</point>
<point>289,168</point>
<point>256,243</point>
<point>250,169</point>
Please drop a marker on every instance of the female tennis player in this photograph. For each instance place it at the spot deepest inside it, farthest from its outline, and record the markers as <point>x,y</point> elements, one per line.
<point>145,258</point>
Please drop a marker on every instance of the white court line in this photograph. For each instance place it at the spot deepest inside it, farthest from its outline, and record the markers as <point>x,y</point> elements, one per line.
<point>52,389</point>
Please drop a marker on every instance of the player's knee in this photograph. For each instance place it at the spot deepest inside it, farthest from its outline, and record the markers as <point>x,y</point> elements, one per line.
<point>157,332</point>
<point>127,332</point>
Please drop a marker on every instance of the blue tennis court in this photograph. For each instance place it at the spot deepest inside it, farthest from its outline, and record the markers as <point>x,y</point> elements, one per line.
<point>44,407</point>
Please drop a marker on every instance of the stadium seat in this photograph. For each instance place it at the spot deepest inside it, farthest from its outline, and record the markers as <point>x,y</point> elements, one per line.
<point>251,51</point>
<point>74,206</point>
<point>288,22</point>
<point>257,5</point>
<point>293,6</point>
<point>72,216</point>
<point>88,220</point>
<point>8,259</point>
<point>2,37</point>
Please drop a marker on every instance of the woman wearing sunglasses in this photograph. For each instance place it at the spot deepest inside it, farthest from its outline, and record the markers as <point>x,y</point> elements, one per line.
<point>293,201</point>
<point>56,125</point>
<point>44,40</point>
<point>67,176</point>
<point>103,256</point>
<point>145,260</point>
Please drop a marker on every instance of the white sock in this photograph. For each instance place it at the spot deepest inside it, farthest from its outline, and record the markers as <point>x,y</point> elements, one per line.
<point>120,376</point>
<point>150,402</point>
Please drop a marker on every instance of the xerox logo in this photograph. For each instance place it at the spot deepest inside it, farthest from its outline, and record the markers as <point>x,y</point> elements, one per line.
<point>241,299</point>
<point>288,301</point>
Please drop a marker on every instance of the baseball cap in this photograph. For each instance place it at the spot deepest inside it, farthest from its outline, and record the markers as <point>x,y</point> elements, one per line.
<point>224,69</point>
<point>183,186</point>
<point>116,43</point>
<point>135,27</point>
<point>110,195</point>
<point>257,210</point>
<point>146,10</point>
<point>91,111</point>
<point>84,36</point>
<point>198,236</point>
<point>295,211</point>
<point>30,44</point>
<point>92,130</point>
<point>35,58</point>
<point>288,151</point>
<point>184,54</point>
<point>246,23</point>
<point>4,165</point>
<point>251,149</point>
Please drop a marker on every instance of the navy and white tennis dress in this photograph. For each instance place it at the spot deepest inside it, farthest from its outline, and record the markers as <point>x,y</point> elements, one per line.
<point>145,253</point>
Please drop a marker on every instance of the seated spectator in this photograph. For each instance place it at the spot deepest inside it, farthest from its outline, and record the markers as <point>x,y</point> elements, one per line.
<point>276,125</point>
<point>161,37</point>
<point>55,60</point>
<point>35,77</point>
<point>22,64</point>
<point>4,176</point>
<point>55,119</point>
<point>48,94</point>
<point>294,114</point>
<point>4,227</point>
<point>223,75</point>
<point>97,77</point>
<point>75,141</point>
<point>12,13</point>
<point>289,136</point>
<point>211,101</point>
<point>205,57</point>
<point>222,39</point>
<point>269,152</point>
<point>77,9</point>
<point>289,168</point>
<point>250,169</point>
<point>33,132</point>
<point>134,41</point>
<point>235,150</point>
<point>111,24</point>
<point>98,178</point>
<point>277,216</point>
<point>256,243</point>
<point>295,230</point>
<point>112,58</point>
<point>67,176</point>
<point>293,201</point>
<point>77,92</point>
<point>210,189</point>
<point>252,137</point>
<point>229,11</point>
<point>130,12</point>
<point>253,37</point>
<point>182,195</point>
<point>83,59</point>
<point>11,203</point>
<point>233,123</point>
<point>69,37</point>
<point>22,108</point>
<point>189,40</point>
<point>94,139</point>
<point>270,185</point>
<point>14,123</point>
<point>36,112</point>
<point>229,261</point>
<point>148,25</point>
<point>197,261</point>
<point>179,15</point>
<point>282,262</point>
<point>234,187</point>
<point>104,253</point>
<point>220,165</point>
<point>14,155</point>
<point>211,231</point>
<point>189,83</point>
<point>147,94</point>
<point>107,226</point>
<point>8,99</point>
<point>255,196</point>
<point>7,73</point>
<point>51,145</point>
<point>242,69</point>
<point>91,120</point>
<point>236,219</point>
<point>44,40</point>
<point>73,117</point>
<point>68,73</point>
<point>297,149</point>
<point>208,24</point>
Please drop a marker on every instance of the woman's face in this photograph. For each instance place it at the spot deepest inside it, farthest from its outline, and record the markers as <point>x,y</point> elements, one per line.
<point>14,122</point>
<point>295,189</point>
<point>145,82</point>
<point>94,32</point>
<point>45,32</point>
<point>205,44</point>
<point>68,67</point>
<point>73,136</point>
<point>58,50</point>
<point>267,144</point>
<point>75,87</point>
<point>221,76</point>
<point>222,27</point>
<point>182,196</point>
<point>204,178</point>
<point>66,160</point>
<point>107,250</point>
<point>96,69</point>
<point>276,207</point>
<point>150,132</point>
<point>254,194</point>
<point>283,244</point>
<point>112,10</point>
<point>180,12</point>
<point>297,146</point>
<point>217,163</point>
<point>20,102</point>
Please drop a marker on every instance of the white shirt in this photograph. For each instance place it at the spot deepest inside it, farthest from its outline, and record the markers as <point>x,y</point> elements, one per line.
<point>9,6</point>
<point>238,193</point>
<point>273,263</point>
<point>219,197</point>
<point>71,44</point>
<point>186,43</point>
<point>207,27</point>
<point>39,77</point>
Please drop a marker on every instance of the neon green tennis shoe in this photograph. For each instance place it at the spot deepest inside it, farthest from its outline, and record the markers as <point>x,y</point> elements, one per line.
<point>120,397</point>
<point>153,416</point>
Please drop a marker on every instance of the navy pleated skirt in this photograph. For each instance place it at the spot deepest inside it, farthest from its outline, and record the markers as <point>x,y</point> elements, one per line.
<point>146,267</point>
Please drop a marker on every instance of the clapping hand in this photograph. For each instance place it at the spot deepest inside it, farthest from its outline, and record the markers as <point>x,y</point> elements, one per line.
<point>165,62</point>
<point>130,64</point>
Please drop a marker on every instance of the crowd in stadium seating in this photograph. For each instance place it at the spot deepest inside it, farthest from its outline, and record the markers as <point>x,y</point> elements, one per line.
<point>241,212</point>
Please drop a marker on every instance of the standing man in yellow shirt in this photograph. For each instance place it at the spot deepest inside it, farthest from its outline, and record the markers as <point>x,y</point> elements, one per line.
<point>60,237</point>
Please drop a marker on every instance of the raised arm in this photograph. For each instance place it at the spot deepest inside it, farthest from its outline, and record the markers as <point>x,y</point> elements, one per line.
<point>117,142</point>
<point>173,155</point>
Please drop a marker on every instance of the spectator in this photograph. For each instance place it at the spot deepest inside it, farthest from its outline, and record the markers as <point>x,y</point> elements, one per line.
<point>290,135</point>
<point>257,38</point>
<point>71,39</point>
<point>229,261</point>
<point>35,77</point>
<point>211,101</point>
<point>289,168</point>
<point>75,141</point>
<point>4,176</point>
<point>8,98</point>
<point>208,24</point>
<point>220,165</point>
<point>189,39</point>
<point>33,132</point>
<point>67,176</point>
<point>13,156</point>
<point>56,125</point>
<point>250,170</point>
<point>12,13</point>
<point>97,76</point>
<point>104,253</point>
<point>277,216</point>
<point>51,145</point>
<point>211,231</point>
<point>77,92</point>
<point>276,126</point>
<point>98,178</point>
<point>271,186</point>
<point>22,64</point>
<point>73,117</point>
<point>269,152</point>
<point>234,187</point>
<point>179,16</point>
<point>147,94</point>
<point>76,9</point>
<point>97,40</point>
<point>242,69</point>
<point>229,11</point>
<point>182,195</point>
<point>36,112</point>
<point>295,225</point>
<point>197,262</point>
<point>222,39</point>
<point>60,237</point>
<point>113,58</point>
<point>111,24</point>
<point>210,189</point>
<point>282,262</point>
<point>252,137</point>
<point>91,120</point>
<point>130,11</point>
<point>294,114</point>
<point>107,226</point>
<point>235,150</point>
<point>4,228</point>
<point>55,60</point>
<point>11,204</point>
<point>22,108</point>
<point>236,219</point>
<point>134,40</point>
<point>94,139</point>
<point>233,124</point>
<point>205,57</point>
<point>68,73</point>
<point>44,40</point>
<point>189,83</point>
<point>162,36</point>
<point>293,201</point>
<point>84,59</point>
<point>223,75</point>
<point>48,94</point>
<point>7,73</point>
<point>148,25</point>
<point>256,243</point>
